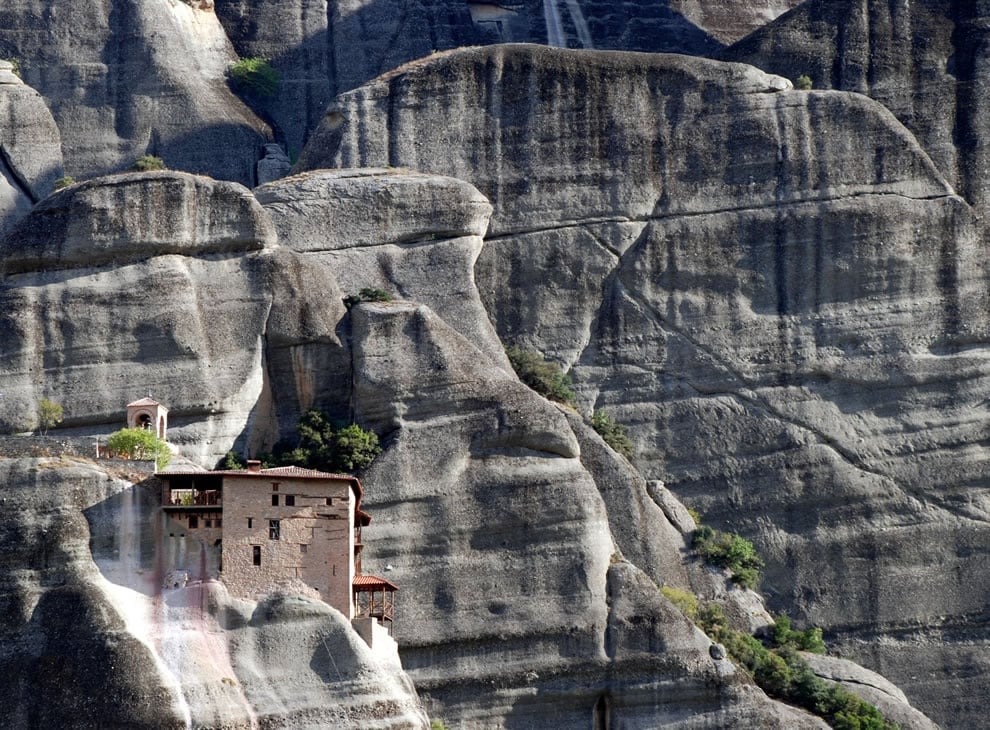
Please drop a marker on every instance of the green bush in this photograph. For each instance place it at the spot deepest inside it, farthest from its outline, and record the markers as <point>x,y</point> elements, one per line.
<point>232,461</point>
<point>254,76</point>
<point>803,83</point>
<point>147,163</point>
<point>782,635</point>
<point>49,415</point>
<point>684,600</point>
<point>784,675</point>
<point>546,378</point>
<point>730,551</point>
<point>139,443</point>
<point>64,182</point>
<point>613,433</point>
<point>368,294</point>
<point>16,67</point>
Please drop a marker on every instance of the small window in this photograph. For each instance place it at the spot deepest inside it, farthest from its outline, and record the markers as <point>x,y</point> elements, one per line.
<point>274,529</point>
<point>256,554</point>
<point>290,500</point>
<point>330,501</point>
<point>250,522</point>
<point>274,500</point>
<point>218,522</point>
<point>193,522</point>
<point>275,486</point>
<point>207,523</point>
<point>304,548</point>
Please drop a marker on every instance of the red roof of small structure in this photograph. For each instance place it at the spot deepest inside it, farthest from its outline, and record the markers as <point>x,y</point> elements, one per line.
<point>367,583</point>
<point>145,402</point>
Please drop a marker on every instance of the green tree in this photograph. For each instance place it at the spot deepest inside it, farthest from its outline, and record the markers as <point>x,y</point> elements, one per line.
<point>139,443</point>
<point>803,83</point>
<point>546,378</point>
<point>64,182</point>
<point>330,447</point>
<point>49,415</point>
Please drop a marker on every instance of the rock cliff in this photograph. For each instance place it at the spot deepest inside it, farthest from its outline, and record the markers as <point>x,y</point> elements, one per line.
<point>777,291</point>
<point>124,79</point>
<point>925,61</point>
<point>31,158</point>
<point>91,639</point>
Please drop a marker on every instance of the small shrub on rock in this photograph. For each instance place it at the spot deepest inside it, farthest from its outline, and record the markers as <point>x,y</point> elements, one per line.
<point>613,433</point>
<point>730,551</point>
<point>368,294</point>
<point>254,76</point>
<point>147,163</point>
<point>684,600</point>
<point>64,182</point>
<point>49,415</point>
<point>803,83</point>
<point>546,378</point>
<point>139,443</point>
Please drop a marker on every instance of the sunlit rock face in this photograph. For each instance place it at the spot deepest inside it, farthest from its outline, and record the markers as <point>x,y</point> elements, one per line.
<point>777,291</point>
<point>125,79</point>
<point>172,271</point>
<point>516,608</point>
<point>95,637</point>
<point>30,141</point>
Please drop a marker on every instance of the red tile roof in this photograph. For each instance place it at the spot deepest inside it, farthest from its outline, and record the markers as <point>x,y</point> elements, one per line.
<point>144,402</point>
<point>373,582</point>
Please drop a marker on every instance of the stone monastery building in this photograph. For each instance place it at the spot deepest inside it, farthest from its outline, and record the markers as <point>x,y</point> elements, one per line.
<point>280,526</point>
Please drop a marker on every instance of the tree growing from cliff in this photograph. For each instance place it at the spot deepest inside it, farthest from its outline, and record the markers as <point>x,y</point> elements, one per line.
<point>148,163</point>
<point>139,443</point>
<point>614,434</point>
<point>49,415</point>
<point>328,446</point>
<point>546,378</point>
<point>254,76</point>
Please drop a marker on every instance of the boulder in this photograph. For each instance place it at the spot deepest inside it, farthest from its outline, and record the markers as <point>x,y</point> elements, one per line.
<point>132,217</point>
<point>174,271</point>
<point>871,687</point>
<point>413,235</point>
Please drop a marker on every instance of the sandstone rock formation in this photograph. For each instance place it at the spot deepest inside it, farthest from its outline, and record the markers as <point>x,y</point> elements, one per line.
<point>516,609</point>
<point>31,157</point>
<point>777,291</point>
<point>124,79</point>
<point>92,641</point>
<point>925,61</point>
<point>727,21</point>
<point>174,271</point>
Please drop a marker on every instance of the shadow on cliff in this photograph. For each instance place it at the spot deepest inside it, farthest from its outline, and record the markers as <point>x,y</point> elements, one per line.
<point>379,36</point>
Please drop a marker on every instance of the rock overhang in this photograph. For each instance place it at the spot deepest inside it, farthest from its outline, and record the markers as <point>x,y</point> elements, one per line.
<point>131,217</point>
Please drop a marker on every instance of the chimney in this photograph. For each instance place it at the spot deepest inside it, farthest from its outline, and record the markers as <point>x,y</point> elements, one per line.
<point>254,465</point>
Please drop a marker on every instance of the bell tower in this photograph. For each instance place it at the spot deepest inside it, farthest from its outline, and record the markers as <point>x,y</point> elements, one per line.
<point>148,414</point>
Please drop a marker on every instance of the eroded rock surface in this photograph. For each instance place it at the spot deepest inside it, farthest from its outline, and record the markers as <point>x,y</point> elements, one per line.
<point>925,61</point>
<point>30,143</point>
<point>124,79</point>
<point>515,608</point>
<point>170,270</point>
<point>777,291</point>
